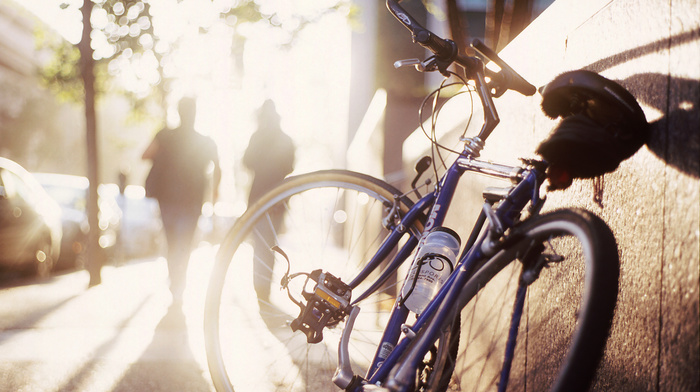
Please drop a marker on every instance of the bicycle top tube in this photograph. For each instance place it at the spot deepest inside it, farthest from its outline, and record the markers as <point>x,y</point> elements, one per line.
<point>449,180</point>
<point>513,173</point>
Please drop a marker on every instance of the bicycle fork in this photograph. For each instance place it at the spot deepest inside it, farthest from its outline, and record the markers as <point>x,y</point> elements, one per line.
<point>512,336</point>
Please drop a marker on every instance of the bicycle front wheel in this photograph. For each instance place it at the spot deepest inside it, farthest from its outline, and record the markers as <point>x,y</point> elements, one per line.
<point>542,318</point>
<point>329,220</point>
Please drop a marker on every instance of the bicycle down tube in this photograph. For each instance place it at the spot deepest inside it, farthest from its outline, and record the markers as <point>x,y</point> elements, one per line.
<point>389,351</point>
<point>448,298</point>
<point>434,219</point>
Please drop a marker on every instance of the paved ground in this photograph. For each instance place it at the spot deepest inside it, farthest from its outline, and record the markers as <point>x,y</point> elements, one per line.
<point>119,336</point>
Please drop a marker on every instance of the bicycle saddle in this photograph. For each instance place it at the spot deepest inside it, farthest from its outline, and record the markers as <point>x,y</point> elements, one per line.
<point>602,124</point>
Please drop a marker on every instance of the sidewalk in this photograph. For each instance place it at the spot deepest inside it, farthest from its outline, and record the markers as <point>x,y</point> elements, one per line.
<point>118,336</point>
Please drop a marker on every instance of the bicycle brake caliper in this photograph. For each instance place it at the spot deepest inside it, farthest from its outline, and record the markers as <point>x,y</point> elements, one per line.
<point>327,305</point>
<point>534,260</point>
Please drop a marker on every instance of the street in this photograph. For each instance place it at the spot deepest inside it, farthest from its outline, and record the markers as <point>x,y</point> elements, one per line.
<point>58,335</point>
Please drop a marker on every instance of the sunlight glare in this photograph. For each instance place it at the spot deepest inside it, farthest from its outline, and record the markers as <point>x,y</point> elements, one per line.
<point>305,73</point>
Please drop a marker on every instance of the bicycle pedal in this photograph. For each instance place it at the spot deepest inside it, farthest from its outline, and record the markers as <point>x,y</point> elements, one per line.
<point>327,305</point>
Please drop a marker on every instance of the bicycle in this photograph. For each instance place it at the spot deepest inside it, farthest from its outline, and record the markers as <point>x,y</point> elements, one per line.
<point>306,289</point>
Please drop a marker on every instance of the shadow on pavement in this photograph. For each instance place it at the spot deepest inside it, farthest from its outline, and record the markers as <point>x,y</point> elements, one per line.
<point>167,364</point>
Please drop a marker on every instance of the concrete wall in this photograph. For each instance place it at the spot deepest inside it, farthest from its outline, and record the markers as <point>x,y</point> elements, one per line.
<point>652,202</point>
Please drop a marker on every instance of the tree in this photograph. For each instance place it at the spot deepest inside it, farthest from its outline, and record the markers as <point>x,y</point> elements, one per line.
<point>87,65</point>
<point>118,38</point>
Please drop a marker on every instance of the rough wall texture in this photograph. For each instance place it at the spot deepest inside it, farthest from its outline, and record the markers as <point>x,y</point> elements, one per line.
<point>652,202</point>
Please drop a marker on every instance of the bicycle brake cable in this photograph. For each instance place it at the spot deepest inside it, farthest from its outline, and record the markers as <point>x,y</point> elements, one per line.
<point>439,108</point>
<point>435,112</point>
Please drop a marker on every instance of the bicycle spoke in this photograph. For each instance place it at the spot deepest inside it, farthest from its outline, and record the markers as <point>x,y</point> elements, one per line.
<point>318,226</point>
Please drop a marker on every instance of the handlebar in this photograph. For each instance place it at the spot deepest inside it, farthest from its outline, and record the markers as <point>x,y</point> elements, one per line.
<point>446,53</point>
<point>443,48</point>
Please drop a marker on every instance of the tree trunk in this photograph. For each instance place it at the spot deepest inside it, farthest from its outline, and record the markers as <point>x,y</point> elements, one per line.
<point>87,63</point>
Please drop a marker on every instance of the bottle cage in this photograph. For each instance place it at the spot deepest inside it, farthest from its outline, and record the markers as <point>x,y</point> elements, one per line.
<point>601,125</point>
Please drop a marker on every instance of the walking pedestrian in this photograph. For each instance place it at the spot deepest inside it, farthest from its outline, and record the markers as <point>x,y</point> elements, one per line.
<point>178,179</point>
<point>270,157</point>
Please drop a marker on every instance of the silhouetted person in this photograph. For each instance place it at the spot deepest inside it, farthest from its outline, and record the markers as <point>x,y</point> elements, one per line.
<point>270,156</point>
<point>178,180</point>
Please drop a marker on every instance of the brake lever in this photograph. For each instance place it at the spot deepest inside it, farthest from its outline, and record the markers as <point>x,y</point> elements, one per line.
<point>512,79</point>
<point>496,83</point>
<point>427,65</point>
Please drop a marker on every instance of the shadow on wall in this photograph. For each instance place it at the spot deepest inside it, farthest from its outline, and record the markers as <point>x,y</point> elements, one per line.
<point>675,137</point>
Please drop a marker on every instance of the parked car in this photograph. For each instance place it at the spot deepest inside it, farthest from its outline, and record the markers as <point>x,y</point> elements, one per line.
<point>30,222</point>
<point>71,193</point>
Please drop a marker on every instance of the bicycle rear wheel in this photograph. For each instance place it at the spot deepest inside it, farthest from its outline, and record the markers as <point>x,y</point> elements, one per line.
<point>566,278</point>
<point>328,220</point>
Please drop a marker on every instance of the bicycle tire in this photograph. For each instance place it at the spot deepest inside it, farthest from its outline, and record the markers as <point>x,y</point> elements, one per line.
<point>236,324</point>
<point>568,308</point>
<point>435,375</point>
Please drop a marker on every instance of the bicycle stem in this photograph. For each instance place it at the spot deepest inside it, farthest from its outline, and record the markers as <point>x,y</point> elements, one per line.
<point>491,118</point>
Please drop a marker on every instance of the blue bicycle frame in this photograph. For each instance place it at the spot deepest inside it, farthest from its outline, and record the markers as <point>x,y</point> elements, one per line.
<point>527,181</point>
<point>481,244</point>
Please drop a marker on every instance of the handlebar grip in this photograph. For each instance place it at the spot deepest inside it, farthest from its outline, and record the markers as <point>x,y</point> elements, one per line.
<point>513,80</point>
<point>444,49</point>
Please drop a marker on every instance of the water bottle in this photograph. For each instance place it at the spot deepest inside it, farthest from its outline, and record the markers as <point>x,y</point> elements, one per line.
<point>433,263</point>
